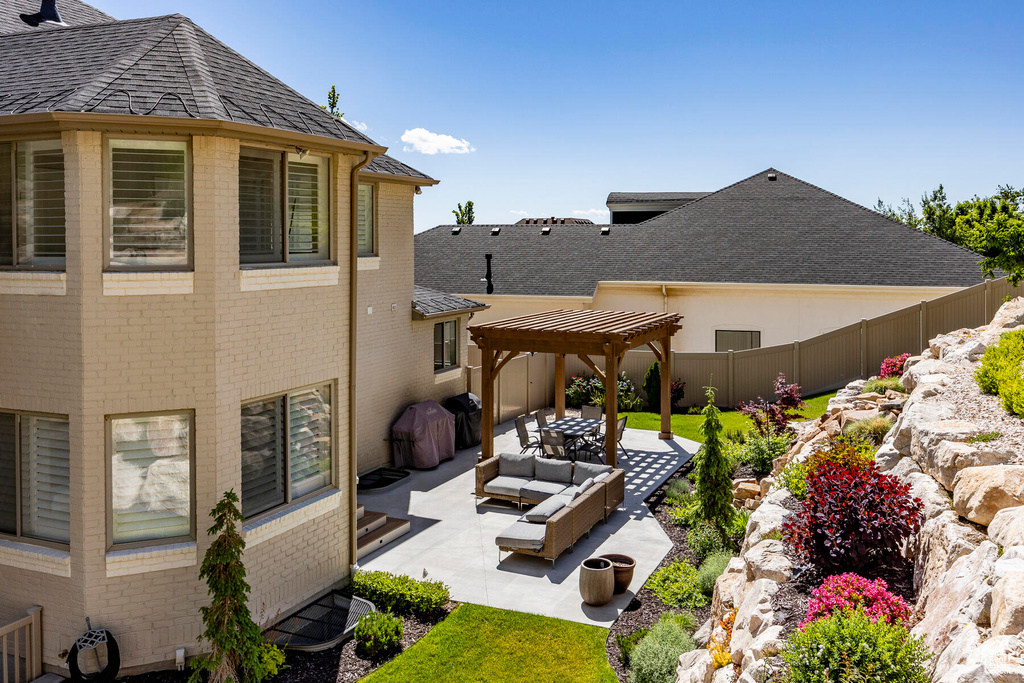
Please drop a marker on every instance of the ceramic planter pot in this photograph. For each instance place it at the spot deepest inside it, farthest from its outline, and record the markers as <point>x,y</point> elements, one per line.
<point>623,566</point>
<point>597,581</point>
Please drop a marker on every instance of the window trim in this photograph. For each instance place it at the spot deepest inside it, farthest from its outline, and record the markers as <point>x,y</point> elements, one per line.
<point>108,198</point>
<point>15,266</point>
<point>109,457</point>
<point>455,342</point>
<point>282,165</point>
<point>375,189</point>
<point>290,502</point>
<point>757,332</point>
<point>17,537</point>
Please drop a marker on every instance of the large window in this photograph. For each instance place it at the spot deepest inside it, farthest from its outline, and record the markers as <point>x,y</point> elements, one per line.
<point>32,204</point>
<point>446,345</point>
<point>366,214</point>
<point>737,340</point>
<point>282,222</point>
<point>151,477</point>
<point>286,448</point>
<point>149,204</point>
<point>35,477</point>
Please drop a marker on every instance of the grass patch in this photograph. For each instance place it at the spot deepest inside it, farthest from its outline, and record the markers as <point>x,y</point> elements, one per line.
<point>687,426</point>
<point>880,386</point>
<point>478,643</point>
<point>984,437</point>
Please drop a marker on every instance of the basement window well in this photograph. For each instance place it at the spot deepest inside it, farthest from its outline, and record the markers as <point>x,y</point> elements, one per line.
<point>320,625</point>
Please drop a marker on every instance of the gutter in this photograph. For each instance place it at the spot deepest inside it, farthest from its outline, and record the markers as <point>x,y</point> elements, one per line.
<point>353,312</point>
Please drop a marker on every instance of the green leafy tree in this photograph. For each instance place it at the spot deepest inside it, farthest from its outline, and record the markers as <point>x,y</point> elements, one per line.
<point>332,104</point>
<point>652,387</point>
<point>713,470</point>
<point>464,215</point>
<point>238,653</point>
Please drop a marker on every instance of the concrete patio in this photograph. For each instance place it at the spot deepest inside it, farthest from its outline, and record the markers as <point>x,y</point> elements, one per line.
<point>452,538</point>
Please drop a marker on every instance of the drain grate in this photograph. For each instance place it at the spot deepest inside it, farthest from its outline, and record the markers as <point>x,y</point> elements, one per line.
<point>321,624</point>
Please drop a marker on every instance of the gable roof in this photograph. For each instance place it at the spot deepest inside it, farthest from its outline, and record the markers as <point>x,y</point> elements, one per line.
<point>73,12</point>
<point>160,66</point>
<point>430,303</point>
<point>755,231</point>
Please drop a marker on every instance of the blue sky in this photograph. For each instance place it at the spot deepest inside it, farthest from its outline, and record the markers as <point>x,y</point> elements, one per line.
<point>561,103</point>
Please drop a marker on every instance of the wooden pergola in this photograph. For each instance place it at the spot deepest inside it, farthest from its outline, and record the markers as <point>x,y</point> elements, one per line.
<point>584,334</point>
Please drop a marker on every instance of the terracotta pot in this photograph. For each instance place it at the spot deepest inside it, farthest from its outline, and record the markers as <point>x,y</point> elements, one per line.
<point>597,581</point>
<point>623,566</point>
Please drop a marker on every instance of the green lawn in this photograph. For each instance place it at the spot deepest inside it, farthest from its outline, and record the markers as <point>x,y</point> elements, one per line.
<point>478,643</point>
<point>687,426</point>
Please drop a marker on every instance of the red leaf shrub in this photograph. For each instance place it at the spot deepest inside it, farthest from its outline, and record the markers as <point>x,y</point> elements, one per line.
<point>893,367</point>
<point>852,518</point>
<point>849,592</point>
<point>772,419</point>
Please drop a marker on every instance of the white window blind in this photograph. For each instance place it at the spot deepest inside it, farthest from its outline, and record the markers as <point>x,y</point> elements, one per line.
<point>365,216</point>
<point>6,204</point>
<point>151,477</point>
<point>8,474</point>
<point>260,235</point>
<point>148,203</point>
<point>310,436</point>
<point>39,167</point>
<point>262,456</point>
<point>308,209</point>
<point>45,478</point>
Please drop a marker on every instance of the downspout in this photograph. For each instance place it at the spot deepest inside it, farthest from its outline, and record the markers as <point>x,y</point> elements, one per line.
<point>664,298</point>
<point>353,312</point>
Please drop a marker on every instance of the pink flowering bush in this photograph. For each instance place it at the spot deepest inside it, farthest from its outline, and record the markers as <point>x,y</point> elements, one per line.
<point>851,591</point>
<point>893,367</point>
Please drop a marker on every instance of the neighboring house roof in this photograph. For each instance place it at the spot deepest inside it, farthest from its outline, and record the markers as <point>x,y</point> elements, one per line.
<point>385,165</point>
<point>161,66</point>
<point>554,221</point>
<point>430,303</point>
<point>73,12</point>
<point>756,231</point>
<point>652,197</point>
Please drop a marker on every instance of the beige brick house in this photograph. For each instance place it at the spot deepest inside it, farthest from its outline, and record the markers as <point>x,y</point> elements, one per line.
<point>181,236</point>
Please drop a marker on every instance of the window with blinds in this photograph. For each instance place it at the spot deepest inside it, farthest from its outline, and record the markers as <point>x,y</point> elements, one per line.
<point>446,345</point>
<point>273,214</point>
<point>366,213</point>
<point>149,197</point>
<point>737,340</point>
<point>151,477</point>
<point>35,477</point>
<point>32,232</point>
<point>286,448</point>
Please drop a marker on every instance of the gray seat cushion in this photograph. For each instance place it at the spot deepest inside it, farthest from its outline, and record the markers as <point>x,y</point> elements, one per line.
<point>602,477</point>
<point>540,512</point>
<point>522,535</point>
<point>515,465</point>
<point>586,470</point>
<point>506,486</point>
<point>547,469</point>
<point>539,490</point>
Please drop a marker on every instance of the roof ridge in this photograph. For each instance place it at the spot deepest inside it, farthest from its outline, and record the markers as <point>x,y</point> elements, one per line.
<point>708,195</point>
<point>78,27</point>
<point>193,59</point>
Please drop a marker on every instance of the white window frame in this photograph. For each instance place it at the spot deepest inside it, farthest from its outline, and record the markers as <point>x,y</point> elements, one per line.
<point>15,265</point>
<point>751,332</point>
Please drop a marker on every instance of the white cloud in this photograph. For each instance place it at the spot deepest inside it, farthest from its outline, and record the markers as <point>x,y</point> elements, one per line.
<point>590,212</point>
<point>423,141</point>
<point>519,213</point>
<point>358,125</point>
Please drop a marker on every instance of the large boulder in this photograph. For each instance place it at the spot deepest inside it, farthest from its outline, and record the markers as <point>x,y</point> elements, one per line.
<point>753,617</point>
<point>944,459</point>
<point>1007,527</point>
<point>912,377</point>
<point>768,560</point>
<point>917,412</point>
<point>942,541</point>
<point>765,519</point>
<point>730,588</point>
<point>904,468</point>
<point>999,659</point>
<point>1010,316</point>
<point>695,666</point>
<point>931,493</point>
<point>980,492</point>
<point>1008,605</point>
<point>767,644</point>
<point>963,641</point>
<point>886,457</point>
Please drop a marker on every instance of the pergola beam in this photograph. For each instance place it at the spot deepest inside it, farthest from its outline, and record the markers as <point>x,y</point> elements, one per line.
<point>592,365</point>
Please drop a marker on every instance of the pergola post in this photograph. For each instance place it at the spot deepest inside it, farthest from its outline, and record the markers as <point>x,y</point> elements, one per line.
<point>611,407</point>
<point>666,387</point>
<point>487,389</point>
<point>559,385</point>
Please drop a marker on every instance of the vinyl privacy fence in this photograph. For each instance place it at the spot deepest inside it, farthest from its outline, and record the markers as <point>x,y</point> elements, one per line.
<point>819,364</point>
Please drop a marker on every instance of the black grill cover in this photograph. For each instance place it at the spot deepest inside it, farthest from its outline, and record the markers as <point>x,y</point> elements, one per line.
<point>423,436</point>
<point>467,409</point>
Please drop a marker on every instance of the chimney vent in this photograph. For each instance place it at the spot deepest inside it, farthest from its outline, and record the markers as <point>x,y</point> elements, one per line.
<point>606,229</point>
<point>47,14</point>
<point>546,230</point>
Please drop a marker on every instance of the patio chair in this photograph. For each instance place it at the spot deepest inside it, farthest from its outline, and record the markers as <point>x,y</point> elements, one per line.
<point>543,416</point>
<point>525,441</point>
<point>591,412</point>
<point>552,443</point>
<point>620,428</point>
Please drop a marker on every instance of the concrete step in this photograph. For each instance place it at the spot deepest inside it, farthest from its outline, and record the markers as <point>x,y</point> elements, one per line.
<point>359,512</point>
<point>371,521</point>
<point>49,678</point>
<point>394,528</point>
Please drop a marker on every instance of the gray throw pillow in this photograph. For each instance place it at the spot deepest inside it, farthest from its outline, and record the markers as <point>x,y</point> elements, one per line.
<point>515,465</point>
<point>586,470</point>
<point>547,469</point>
<point>586,485</point>
<point>540,512</point>
<point>602,477</point>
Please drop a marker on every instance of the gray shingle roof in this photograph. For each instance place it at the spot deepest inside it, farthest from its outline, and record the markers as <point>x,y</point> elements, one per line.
<point>391,166</point>
<point>430,302</point>
<point>755,231</point>
<point>161,66</point>
<point>73,12</point>
<point>652,197</point>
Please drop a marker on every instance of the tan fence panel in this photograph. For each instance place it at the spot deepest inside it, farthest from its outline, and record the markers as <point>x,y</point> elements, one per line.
<point>754,372</point>
<point>892,334</point>
<point>830,360</point>
<point>700,370</point>
<point>965,308</point>
<point>542,381</point>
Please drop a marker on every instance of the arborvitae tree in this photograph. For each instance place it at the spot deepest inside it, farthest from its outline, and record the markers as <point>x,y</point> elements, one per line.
<point>652,387</point>
<point>713,470</point>
<point>238,653</point>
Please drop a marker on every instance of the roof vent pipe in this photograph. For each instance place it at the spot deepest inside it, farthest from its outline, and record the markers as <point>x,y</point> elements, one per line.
<point>457,229</point>
<point>487,277</point>
<point>606,229</point>
<point>47,14</point>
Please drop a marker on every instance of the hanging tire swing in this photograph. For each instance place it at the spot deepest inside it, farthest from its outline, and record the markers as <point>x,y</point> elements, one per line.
<point>89,642</point>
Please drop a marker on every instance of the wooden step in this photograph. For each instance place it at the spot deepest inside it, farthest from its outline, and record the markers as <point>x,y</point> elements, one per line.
<point>371,521</point>
<point>359,512</point>
<point>392,529</point>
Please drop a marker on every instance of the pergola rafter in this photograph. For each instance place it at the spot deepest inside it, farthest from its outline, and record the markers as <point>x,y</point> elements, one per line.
<point>583,334</point>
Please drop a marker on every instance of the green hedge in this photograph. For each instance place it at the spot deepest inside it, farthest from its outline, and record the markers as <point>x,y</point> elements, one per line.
<point>401,594</point>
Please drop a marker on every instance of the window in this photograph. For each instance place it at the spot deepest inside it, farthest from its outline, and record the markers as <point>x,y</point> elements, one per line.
<point>366,214</point>
<point>32,204</point>
<point>35,473</point>
<point>272,213</point>
<point>286,448</point>
<point>149,198</point>
<point>736,340</point>
<point>446,345</point>
<point>151,477</point>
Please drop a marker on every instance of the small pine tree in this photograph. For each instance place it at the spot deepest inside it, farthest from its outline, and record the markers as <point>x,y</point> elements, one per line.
<point>464,215</point>
<point>332,104</point>
<point>238,653</point>
<point>713,470</point>
<point>652,387</point>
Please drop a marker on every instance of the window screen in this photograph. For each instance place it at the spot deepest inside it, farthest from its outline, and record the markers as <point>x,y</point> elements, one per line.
<point>446,347</point>
<point>737,340</point>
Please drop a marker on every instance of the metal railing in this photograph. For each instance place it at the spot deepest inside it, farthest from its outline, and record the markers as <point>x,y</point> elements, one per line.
<point>21,648</point>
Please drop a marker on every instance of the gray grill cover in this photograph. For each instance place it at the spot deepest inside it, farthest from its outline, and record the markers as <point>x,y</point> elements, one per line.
<point>423,436</point>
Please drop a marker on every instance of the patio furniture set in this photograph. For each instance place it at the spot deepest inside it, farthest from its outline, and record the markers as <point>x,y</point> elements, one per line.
<point>569,437</point>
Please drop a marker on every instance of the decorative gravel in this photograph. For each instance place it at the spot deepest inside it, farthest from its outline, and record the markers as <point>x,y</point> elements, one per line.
<point>986,411</point>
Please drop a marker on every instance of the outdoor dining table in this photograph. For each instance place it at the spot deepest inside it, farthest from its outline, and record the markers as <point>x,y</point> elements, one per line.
<point>575,428</point>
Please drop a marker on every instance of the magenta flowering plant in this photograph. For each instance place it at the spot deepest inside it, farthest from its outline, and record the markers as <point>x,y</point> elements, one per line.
<point>850,592</point>
<point>893,367</point>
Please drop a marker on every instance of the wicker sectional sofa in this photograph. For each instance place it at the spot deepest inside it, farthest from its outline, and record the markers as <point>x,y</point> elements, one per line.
<point>569,499</point>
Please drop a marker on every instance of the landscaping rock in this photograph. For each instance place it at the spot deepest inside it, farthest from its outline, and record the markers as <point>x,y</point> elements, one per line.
<point>904,468</point>
<point>730,589</point>
<point>928,435</point>
<point>753,617</point>
<point>980,492</point>
<point>915,413</point>
<point>912,377</point>
<point>1010,316</point>
<point>695,667</point>
<point>999,659</point>
<point>941,542</point>
<point>964,639</point>
<point>745,490</point>
<point>1007,527</point>
<point>724,675</point>
<point>768,560</point>
<point>780,496</point>
<point>767,644</point>
<point>931,493</point>
<point>887,456</point>
<point>766,485</point>
<point>765,519</point>
<point>1008,605</point>
<point>703,635</point>
<point>945,459</point>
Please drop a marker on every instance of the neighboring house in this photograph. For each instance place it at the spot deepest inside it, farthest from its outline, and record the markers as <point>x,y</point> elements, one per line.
<point>637,207</point>
<point>181,235</point>
<point>768,260</point>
